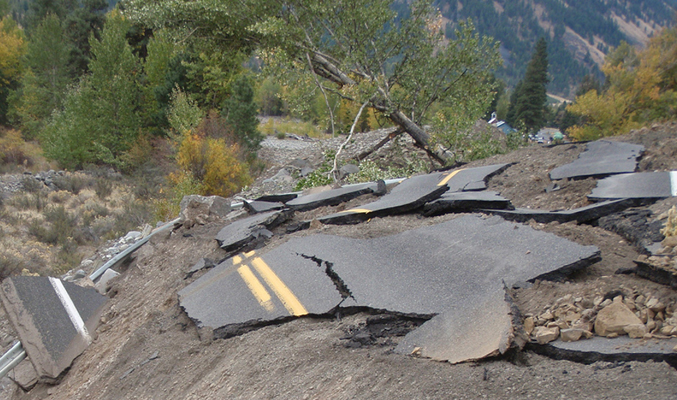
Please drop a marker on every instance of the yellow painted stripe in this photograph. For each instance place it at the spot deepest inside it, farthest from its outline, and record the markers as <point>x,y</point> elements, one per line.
<point>357,210</point>
<point>448,177</point>
<point>237,260</point>
<point>288,299</point>
<point>256,287</point>
<point>249,254</point>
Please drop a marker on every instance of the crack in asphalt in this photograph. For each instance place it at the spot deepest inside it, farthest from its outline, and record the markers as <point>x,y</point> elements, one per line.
<point>335,278</point>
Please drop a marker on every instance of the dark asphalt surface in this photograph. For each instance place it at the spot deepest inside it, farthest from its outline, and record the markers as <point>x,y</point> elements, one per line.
<point>42,323</point>
<point>465,201</point>
<point>453,269</point>
<point>416,191</point>
<point>616,349</point>
<point>238,233</point>
<point>582,214</point>
<point>335,196</point>
<point>600,158</point>
<point>645,185</point>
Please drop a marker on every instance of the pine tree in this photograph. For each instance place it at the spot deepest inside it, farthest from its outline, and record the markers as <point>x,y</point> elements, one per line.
<point>529,98</point>
<point>240,112</point>
<point>100,120</point>
<point>43,84</point>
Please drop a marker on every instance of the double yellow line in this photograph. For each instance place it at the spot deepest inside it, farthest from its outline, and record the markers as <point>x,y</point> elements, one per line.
<point>286,296</point>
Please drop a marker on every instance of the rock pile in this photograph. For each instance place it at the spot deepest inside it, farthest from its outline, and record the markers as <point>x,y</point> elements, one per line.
<point>573,318</point>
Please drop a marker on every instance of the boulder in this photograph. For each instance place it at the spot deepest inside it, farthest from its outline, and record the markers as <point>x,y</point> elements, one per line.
<point>545,335</point>
<point>203,207</point>
<point>636,331</point>
<point>102,285</point>
<point>571,335</point>
<point>613,318</point>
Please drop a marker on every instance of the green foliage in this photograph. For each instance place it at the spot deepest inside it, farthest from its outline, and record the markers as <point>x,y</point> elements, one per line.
<point>240,113</point>
<point>268,97</point>
<point>397,62</point>
<point>320,176</point>
<point>641,88</point>
<point>100,120</point>
<point>184,113</point>
<point>12,48</point>
<point>528,101</point>
<point>43,85</point>
<point>371,172</point>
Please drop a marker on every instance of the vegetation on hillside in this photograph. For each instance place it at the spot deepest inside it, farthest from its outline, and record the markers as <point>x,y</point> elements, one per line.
<point>640,88</point>
<point>518,25</point>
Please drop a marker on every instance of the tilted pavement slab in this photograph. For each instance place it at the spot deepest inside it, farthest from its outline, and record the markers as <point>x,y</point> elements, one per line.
<point>453,271</point>
<point>622,348</point>
<point>600,158</point>
<point>55,320</point>
<point>335,196</point>
<point>258,206</point>
<point>239,233</point>
<point>641,185</point>
<point>580,215</point>
<point>466,201</point>
<point>416,191</point>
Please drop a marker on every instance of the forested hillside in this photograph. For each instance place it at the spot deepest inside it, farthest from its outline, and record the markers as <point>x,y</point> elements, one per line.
<point>579,33</point>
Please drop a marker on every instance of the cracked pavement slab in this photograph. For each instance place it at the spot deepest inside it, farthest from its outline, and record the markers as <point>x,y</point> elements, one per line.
<point>602,157</point>
<point>466,201</point>
<point>580,215</point>
<point>451,271</point>
<point>416,191</point>
<point>258,206</point>
<point>641,185</point>
<point>55,320</point>
<point>238,234</point>
<point>621,348</point>
<point>336,196</point>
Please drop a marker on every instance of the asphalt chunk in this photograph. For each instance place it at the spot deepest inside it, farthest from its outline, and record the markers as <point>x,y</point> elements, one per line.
<point>601,158</point>
<point>644,185</point>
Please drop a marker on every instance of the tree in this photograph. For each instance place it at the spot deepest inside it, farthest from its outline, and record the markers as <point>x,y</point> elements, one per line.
<point>640,88</point>
<point>43,85</point>
<point>240,113</point>
<point>12,47</point>
<point>81,23</point>
<point>529,101</point>
<point>100,119</point>
<point>363,51</point>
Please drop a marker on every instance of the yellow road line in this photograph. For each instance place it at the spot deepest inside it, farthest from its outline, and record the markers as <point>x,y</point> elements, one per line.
<point>357,210</point>
<point>256,287</point>
<point>288,299</point>
<point>448,177</point>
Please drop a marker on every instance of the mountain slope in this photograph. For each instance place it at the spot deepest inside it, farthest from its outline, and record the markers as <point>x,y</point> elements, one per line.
<point>579,33</point>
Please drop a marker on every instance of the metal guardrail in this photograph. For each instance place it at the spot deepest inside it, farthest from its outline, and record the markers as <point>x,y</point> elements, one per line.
<point>11,359</point>
<point>123,254</point>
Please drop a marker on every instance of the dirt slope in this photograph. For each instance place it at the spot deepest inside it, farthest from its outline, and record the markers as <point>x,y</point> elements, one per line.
<point>148,349</point>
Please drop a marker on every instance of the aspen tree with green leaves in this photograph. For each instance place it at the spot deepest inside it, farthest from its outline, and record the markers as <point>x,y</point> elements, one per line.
<point>363,51</point>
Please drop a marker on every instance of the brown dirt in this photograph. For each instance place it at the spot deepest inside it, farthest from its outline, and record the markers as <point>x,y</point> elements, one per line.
<point>308,357</point>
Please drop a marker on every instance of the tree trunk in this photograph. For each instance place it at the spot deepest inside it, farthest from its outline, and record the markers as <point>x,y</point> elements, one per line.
<point>326,69</point>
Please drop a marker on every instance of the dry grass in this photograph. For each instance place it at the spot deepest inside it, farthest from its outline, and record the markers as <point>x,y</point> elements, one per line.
<point>50,231</point>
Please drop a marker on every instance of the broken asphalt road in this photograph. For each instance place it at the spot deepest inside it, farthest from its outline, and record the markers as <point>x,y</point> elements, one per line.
<point>449,272</point>
<point>236,235</point>
<point>416,191</point>
<point>601,158</point>
<point>645,185</point>
<point>55,320</point>
<point>336,196</point>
